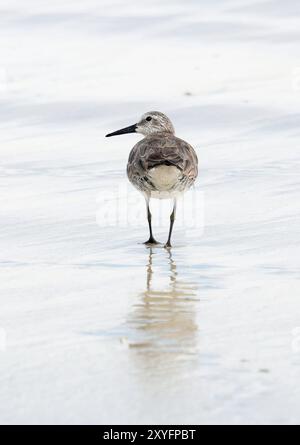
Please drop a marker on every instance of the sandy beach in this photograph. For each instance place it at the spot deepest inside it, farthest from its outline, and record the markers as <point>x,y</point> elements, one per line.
<point>96,328</point>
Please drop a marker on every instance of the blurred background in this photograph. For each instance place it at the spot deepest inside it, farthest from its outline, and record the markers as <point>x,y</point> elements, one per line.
<point>95,327</point>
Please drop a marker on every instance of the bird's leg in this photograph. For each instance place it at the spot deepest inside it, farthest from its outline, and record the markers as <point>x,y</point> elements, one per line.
<point>172,219</point>
<point>151,239</point>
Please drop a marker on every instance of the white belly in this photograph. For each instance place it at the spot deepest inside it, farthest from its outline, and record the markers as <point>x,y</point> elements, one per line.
<point>166,179</point>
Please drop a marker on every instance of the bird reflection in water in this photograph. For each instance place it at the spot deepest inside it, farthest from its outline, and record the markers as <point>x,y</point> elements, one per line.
<point>163,322</point>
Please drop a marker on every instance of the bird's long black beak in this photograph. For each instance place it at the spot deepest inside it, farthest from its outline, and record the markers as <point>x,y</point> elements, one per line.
<point>130,129</point>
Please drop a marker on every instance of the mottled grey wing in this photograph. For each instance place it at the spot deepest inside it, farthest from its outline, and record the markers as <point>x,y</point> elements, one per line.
<point>157,150</point>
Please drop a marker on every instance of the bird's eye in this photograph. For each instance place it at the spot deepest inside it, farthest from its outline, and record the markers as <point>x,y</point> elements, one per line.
<point>149,118</point>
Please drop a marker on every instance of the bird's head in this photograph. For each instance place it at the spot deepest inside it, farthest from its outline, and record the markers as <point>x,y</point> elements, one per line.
<point>150,123</point>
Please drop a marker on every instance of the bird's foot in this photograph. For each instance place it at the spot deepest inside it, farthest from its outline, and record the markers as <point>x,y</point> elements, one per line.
<point>168,245</point>
<point>151,242</point>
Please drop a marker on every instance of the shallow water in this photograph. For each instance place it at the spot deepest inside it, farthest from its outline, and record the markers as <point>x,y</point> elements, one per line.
<point>94,326</point>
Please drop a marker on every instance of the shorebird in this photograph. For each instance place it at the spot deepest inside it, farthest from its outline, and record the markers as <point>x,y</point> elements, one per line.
<point>161,165</point>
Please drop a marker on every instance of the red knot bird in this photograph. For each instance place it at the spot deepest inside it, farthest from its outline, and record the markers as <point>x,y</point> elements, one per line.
<point>161,165</point>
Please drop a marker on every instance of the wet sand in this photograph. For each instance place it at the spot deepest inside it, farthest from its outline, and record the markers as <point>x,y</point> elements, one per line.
<point>96,327</point>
